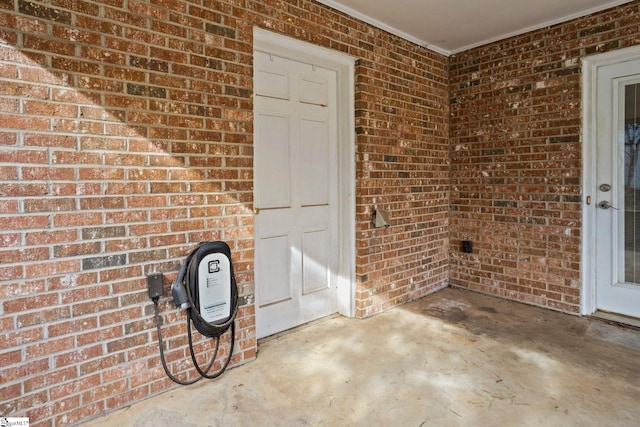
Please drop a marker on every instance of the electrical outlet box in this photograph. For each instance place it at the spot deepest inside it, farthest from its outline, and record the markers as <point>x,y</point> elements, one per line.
<point>154,285</point>
<point>467,246</point>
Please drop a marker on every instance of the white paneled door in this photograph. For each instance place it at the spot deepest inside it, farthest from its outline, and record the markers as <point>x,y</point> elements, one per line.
<point>617,204</point>
<point>295,192</point>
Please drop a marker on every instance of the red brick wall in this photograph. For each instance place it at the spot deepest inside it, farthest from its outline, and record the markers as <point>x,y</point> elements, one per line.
<point>402,166</point>
<point>516,158</point>
<point>126,138</point>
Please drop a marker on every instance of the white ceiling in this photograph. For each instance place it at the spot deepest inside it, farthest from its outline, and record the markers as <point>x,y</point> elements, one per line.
<point>450,26</point>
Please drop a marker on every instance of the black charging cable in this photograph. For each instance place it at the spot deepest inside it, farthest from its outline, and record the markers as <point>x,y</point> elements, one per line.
<point>162,358</point>
<point>205,373</point>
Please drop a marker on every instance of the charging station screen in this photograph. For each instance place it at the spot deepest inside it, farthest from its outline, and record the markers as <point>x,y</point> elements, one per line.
<point>214,286</point>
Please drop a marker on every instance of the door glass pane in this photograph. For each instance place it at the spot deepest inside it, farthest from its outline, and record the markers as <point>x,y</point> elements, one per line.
<point>632,183</point>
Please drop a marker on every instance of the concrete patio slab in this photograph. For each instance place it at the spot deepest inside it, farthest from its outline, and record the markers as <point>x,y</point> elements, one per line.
<point>454,358</point>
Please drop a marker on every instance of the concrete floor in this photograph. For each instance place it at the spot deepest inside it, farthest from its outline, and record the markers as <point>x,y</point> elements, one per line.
<point>454,358</point>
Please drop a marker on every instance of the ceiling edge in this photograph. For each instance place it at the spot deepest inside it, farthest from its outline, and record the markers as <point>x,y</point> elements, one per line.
<point>381,25</point>
<point>542,25</point>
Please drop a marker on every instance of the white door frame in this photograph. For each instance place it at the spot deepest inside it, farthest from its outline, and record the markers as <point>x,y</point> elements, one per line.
<point>590,66</point>
<point>344,66</point>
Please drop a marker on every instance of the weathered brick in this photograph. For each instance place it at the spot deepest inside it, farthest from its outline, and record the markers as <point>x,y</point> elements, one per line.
<point>24,255</point>
<point>148,91</point>
<point>94,233</point>
<point>13,339</point>
<point>76,219</point>
<point>94,306</point>
<point>44,12</point>
<point>23,222</point>
<point>48,205</point>
<point>104,261</point>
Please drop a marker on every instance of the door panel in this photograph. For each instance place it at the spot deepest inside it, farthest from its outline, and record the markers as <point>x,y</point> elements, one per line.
<point>617,180</point>
<point>314,161</point>
<point>315,261</point>
<point>272,84</point>
<point>273,171</point>
<point>275,267</point>
<point>296,192</point>
<point>313,91</point>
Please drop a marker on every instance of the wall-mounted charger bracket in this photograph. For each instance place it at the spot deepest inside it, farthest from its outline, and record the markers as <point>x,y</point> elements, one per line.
<point>154,285</point>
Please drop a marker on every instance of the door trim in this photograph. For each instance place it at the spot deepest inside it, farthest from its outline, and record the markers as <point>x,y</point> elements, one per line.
<point>590,67</point>
<point>344,66</point>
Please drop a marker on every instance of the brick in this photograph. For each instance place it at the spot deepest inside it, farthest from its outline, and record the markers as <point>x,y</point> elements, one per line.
<point>100,364</point>
<point>14,121</point>
<point>124,370</point>
<point>47,410</point>
<point>93,233</point>
<point>120,317</point>
<point>76,219</point>
<point>72,157</point>
<point>68,189</point>
<point>102,203</point>
<point>42,108</point>
<point>84,308</point>
<point>104,391</point>
<point>123,399</point>
<point>72,327</point>
<point>76,356</point>
<point>48,205</point>
<point>30,303</point>
<point>146,256</point>
<point>125,244</point>
<point>11,392</point>
<point>24,222</point>
<point>117,274</point>
<point>50,347</point>
<point>44,12</point>
<point>17,406</point>
<point>14,339</point>
<point>76,386</point>
<point>50,237</point>
<point>22,255</point>
<point>8,138</point>
<point>100,335</point>
<point>104,261</point>
<point>83,293</point>
<point>73,414</point>
<point>70,250</point>
<point>148,91</point>
<point>57,47</point>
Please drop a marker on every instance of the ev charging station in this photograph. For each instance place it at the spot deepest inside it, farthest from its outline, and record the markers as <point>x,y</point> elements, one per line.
<point>206,287</point>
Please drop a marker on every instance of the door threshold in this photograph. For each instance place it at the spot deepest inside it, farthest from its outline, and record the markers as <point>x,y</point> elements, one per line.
<point>618,318</point>
<point>296,328</point>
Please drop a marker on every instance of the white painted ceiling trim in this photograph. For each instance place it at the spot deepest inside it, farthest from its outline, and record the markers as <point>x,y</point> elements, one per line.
<point>375,5</point>
<point>378,24</point>
<point>558,20</point>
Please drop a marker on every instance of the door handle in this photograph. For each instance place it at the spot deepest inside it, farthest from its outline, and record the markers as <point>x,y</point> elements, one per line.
<point>606,205</point>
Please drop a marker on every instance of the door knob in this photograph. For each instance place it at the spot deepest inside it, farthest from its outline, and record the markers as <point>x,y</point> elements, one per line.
<point>606,205</point>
